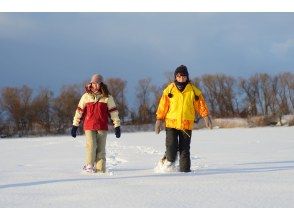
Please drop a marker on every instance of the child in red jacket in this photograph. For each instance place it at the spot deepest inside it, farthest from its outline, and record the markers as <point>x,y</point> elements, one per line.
<point>94,108</point>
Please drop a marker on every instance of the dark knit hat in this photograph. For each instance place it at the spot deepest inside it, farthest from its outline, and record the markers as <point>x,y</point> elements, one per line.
<point>183,70</point>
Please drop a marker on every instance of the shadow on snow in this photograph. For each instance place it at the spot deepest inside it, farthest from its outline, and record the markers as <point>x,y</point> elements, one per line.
<point>199,172</point>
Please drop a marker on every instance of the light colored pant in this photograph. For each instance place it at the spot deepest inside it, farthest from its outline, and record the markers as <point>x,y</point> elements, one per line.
<point>95,149</point>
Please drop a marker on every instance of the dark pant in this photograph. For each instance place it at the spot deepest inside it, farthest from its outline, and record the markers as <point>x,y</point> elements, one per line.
<point>178,140</point>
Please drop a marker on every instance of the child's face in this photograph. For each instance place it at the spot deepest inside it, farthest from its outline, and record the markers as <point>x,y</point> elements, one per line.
<point>95,87</point>
<point>181,78</point>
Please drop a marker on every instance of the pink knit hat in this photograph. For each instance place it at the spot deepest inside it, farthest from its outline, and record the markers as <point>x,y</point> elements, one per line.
<point>96,78</point>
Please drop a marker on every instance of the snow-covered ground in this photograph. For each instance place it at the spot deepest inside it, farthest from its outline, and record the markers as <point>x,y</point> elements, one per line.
<point>241,167</point>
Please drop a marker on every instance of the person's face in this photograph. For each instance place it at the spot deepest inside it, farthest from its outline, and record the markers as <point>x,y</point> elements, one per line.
<point>95,87</point>
<point>181,78</point>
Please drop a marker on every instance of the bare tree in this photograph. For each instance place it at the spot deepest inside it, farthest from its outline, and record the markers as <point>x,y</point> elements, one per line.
<point>210,92</point>
<point>117,88</point>
<point>156,91</point>
<point>3,124</point>
<point>249,87</point>
<point>285,92</point>
<point>17,103</point>
<point>11,104</point>
<point>42,105</point>
<point>64,107</point>
<point>27,112</point>
<point>268,95</point>
<point>227,97</point>
<point>143,97</point>
<point>220,93</point>
<point>264,92</point>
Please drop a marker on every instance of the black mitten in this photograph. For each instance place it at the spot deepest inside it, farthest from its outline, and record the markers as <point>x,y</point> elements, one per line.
<point>74,131</point>
<point>117,132</point>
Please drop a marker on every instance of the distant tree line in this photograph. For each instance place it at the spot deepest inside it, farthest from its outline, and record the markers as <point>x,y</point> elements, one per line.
<point>260,94</point>
<point>23,112</point>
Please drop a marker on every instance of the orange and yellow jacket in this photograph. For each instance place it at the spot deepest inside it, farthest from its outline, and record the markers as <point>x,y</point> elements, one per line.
<point>179,109</point>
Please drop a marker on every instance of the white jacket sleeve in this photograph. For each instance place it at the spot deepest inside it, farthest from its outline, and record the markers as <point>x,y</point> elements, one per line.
<point>113,111</point>
<point>79,111</point>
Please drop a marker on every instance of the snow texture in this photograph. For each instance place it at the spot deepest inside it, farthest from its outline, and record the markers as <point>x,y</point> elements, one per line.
<point>241,167</point>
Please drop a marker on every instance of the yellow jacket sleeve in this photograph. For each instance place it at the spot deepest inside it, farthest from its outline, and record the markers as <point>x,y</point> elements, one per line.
<point>201,107</point>
<point>162,107</point>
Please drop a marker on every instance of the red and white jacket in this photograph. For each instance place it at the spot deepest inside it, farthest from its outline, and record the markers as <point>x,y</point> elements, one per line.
<point>94,110</point>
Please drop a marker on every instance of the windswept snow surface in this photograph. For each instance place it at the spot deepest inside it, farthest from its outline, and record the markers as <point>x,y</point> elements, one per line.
<point>248,167</point>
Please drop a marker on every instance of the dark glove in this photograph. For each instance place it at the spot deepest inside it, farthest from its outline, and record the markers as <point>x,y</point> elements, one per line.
<point>74,131</point>
<point>117,132</point>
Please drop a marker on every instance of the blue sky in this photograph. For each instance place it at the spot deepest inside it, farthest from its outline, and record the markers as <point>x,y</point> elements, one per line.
<point>56,49</point>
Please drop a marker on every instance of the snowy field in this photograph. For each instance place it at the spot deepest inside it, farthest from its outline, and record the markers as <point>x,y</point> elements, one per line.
<point>241,167</point>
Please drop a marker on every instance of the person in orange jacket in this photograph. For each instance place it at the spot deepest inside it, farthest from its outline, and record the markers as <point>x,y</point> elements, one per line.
<point>178,106</point>
<point>94,109</point>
